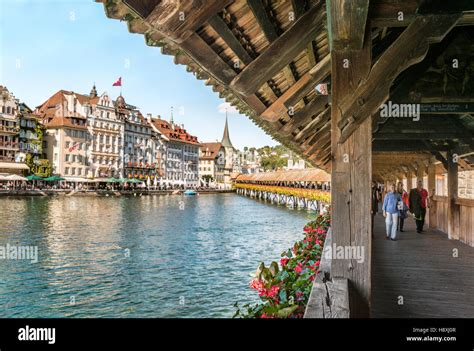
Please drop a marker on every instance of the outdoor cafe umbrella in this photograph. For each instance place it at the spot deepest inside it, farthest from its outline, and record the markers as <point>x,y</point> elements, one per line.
<point>53,179</point>
<point>34,177</point>
<point>113,180</point>
<point>15,177</point>
<point>132,180</point>
<point>148,182</point>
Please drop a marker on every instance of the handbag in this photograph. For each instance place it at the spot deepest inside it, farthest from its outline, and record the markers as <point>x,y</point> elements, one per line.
<point>400,206</point>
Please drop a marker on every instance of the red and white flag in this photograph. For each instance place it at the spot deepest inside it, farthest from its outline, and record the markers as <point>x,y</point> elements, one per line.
<point>322,89</point>
<point>73,147</point>
<point>118,83</point>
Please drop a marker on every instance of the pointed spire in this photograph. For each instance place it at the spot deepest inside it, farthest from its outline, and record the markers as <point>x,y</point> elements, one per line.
<point>226,138</point>
<point>171,119</point>
<point>93,92</point>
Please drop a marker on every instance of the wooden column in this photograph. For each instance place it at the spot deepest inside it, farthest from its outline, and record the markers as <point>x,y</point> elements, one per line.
<point>351,179</point>
<point>432,212</point>
<point>420,172</point>
<point>453,209</point>
<point>409,181</point>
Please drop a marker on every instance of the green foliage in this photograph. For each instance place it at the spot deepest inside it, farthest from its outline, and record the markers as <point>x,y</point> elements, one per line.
<point>275,157</point>
<point>42,168</point>
<point>284,290</point>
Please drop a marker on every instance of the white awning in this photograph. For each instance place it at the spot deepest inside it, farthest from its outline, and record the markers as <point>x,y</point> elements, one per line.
<point>77,179</point>
<point>13,165</point>
<point>8,176</point>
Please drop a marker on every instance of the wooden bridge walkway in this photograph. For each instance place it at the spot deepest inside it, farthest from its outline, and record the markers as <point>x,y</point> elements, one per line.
<point>421,269</point>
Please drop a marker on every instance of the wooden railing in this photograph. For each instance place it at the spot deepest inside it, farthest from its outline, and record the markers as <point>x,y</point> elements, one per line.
<point>464,223</point>
<point>329,296</point>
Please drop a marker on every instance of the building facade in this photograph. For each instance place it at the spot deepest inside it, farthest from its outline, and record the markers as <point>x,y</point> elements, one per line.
<point>9,126</point>
<point>138,143</point>
<point>106,129</point>
<point>211,164</point>
<point>31,134</point>
<point>66,140</point>
<point>179,154</point>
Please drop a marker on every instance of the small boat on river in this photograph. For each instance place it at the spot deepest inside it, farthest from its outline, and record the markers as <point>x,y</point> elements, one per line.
<point>190,192</point>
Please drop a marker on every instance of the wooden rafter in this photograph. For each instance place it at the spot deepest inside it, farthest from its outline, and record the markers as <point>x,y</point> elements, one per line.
<point>409,48</point>
<point>269,30</point>
<point>280,53</point>
<point>296,92</point>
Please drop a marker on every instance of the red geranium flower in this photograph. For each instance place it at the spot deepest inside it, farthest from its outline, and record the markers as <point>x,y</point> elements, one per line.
<point>299,268</point>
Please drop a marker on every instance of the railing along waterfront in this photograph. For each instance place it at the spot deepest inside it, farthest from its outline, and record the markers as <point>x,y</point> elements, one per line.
<point>329,296</point>
<point>310,199</point>
<point>464,222</point>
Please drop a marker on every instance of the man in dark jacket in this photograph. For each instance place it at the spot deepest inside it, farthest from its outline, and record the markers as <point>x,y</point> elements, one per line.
<point>419,201</point>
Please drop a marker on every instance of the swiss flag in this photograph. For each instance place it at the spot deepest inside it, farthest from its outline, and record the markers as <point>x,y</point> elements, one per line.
<point>118,83</point>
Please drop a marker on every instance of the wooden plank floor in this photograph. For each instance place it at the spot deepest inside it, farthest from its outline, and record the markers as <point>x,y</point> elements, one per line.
<point>421,270</point>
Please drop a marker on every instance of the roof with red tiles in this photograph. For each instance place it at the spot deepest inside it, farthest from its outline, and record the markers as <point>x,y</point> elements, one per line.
<point>300,175</point>
<point>174,132</point>
<point>209,151</point>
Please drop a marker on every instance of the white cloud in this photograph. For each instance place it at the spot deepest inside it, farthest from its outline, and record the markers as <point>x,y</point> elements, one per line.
<point>230,109</point>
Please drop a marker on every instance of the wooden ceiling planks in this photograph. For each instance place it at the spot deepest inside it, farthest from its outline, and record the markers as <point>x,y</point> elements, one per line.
<point>228,31</point>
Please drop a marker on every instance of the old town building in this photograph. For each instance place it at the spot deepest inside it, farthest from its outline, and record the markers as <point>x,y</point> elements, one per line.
<point>11,160</point>
<point>66,139</point>
<point>31,134</point>
<point>181,155</point>
<point>211,164</point>
<point>9,126</point>
<point>138,143</point>
<point>106,129</point>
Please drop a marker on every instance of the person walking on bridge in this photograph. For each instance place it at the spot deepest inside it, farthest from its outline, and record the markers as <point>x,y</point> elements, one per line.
<point>419,202</point>
<point>390,212</point>
<point>402,205</point>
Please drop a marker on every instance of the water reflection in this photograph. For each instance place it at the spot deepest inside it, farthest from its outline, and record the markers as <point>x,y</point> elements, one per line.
<point>150,256</point>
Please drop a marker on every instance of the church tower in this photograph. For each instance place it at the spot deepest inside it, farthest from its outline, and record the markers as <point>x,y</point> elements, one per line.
<point>229,155</point>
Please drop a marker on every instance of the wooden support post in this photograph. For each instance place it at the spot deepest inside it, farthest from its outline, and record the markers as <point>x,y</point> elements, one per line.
<point>432,212</point>
<point>351,178</point>
<point>453,209</point>
<point>409,181</point>
<point>420,172</point>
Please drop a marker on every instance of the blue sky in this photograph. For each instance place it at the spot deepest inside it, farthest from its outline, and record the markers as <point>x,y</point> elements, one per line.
<point>60,44</point>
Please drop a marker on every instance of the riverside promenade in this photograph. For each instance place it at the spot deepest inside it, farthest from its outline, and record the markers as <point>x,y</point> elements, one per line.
<point>72,192</point>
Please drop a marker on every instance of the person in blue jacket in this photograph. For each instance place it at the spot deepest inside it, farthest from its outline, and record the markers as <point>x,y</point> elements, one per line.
<point>390,212</point>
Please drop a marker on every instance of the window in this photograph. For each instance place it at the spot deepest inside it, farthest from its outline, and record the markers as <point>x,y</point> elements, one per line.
<point>67,158</point>
<point>66,170</point>
<point>73,171</point>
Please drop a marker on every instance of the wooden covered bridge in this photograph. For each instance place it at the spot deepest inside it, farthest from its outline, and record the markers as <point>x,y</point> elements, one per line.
<point>366,90</point>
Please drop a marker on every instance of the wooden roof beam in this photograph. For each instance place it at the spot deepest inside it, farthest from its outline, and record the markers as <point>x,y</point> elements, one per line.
<point>280,53</point>
<point>269,30</point>
<point>314,125</point>
<point>423,136</point>
<point>298,90</point>
<point>221,28</point>
<point>400,13</point>
<point>299,8</point>
<point>316,106</point>
<point>178,20</point>
<point>409,48</point>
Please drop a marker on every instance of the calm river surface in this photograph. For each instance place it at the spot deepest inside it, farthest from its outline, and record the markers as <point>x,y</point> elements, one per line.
<point>150,256</point>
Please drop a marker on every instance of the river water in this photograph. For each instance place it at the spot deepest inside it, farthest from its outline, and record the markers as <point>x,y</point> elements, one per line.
<point>150,256</point>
